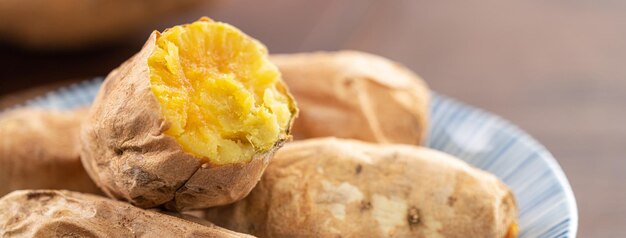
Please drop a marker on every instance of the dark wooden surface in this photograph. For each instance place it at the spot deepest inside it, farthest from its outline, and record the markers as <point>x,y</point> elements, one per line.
<point>555,68</point>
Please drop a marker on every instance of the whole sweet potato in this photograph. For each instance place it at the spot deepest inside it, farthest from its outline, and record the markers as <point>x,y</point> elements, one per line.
<point>345,188</point>
<point>75,24</point>
<point>52,213</point>
<point>356,95</point>
<point>40,149</point>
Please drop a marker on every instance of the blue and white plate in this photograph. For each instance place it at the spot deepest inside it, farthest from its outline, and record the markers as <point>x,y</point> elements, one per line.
<point>547,207</point>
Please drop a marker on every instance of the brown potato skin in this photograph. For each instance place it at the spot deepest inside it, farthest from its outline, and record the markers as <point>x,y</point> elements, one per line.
<point>355,95</point>
<point>40,149</point>
<point>125,150</point>
<point>75,24</point>
<point>308,190</point>
<point>54,213</point>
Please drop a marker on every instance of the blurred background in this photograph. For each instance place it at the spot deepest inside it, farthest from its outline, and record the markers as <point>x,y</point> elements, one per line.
<point>555,68</point>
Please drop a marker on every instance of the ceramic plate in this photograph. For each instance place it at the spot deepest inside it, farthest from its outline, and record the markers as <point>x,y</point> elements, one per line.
<point>547,207</point>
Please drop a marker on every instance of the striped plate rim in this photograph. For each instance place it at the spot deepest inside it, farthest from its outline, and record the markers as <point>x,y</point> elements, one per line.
<point>545,198</point>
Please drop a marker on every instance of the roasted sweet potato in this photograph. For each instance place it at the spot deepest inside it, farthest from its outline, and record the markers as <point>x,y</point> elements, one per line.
<point>76,24</point>
<point>356,95</point>
<point>345,188</point>
<point>40,149</point>
<point>53,213</point>
<point>190,121</point>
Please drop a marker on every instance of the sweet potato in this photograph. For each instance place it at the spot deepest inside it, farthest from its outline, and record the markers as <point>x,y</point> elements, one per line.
<point>346,188</point>
<point>53,213</point>
<point>40,149</point>
<point>190,121</point>
<point>75,24</point>
<point>355,95</point>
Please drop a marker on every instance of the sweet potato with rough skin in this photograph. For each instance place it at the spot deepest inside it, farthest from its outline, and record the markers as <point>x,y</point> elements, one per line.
<point>40,149</point>
<point>346,188</point>
<point>191,121</point>
<point>53,213</point>
<point>350,94</point>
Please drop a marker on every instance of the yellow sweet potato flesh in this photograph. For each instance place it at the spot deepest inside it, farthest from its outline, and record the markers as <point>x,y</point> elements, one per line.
<point>218,91</point>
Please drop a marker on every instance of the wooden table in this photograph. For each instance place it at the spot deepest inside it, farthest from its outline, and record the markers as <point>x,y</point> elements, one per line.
<point>555,68</point>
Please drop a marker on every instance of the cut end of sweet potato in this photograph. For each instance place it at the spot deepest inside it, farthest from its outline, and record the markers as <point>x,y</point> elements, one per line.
<point>513,231</point>
<point>223,100</point>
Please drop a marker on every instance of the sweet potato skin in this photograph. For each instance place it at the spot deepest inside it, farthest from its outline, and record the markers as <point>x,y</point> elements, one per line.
<point>355,95</point>
<point>40,149</point>
<point>332,187</point>
<point>55,213</point>
<point>125,150</point>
